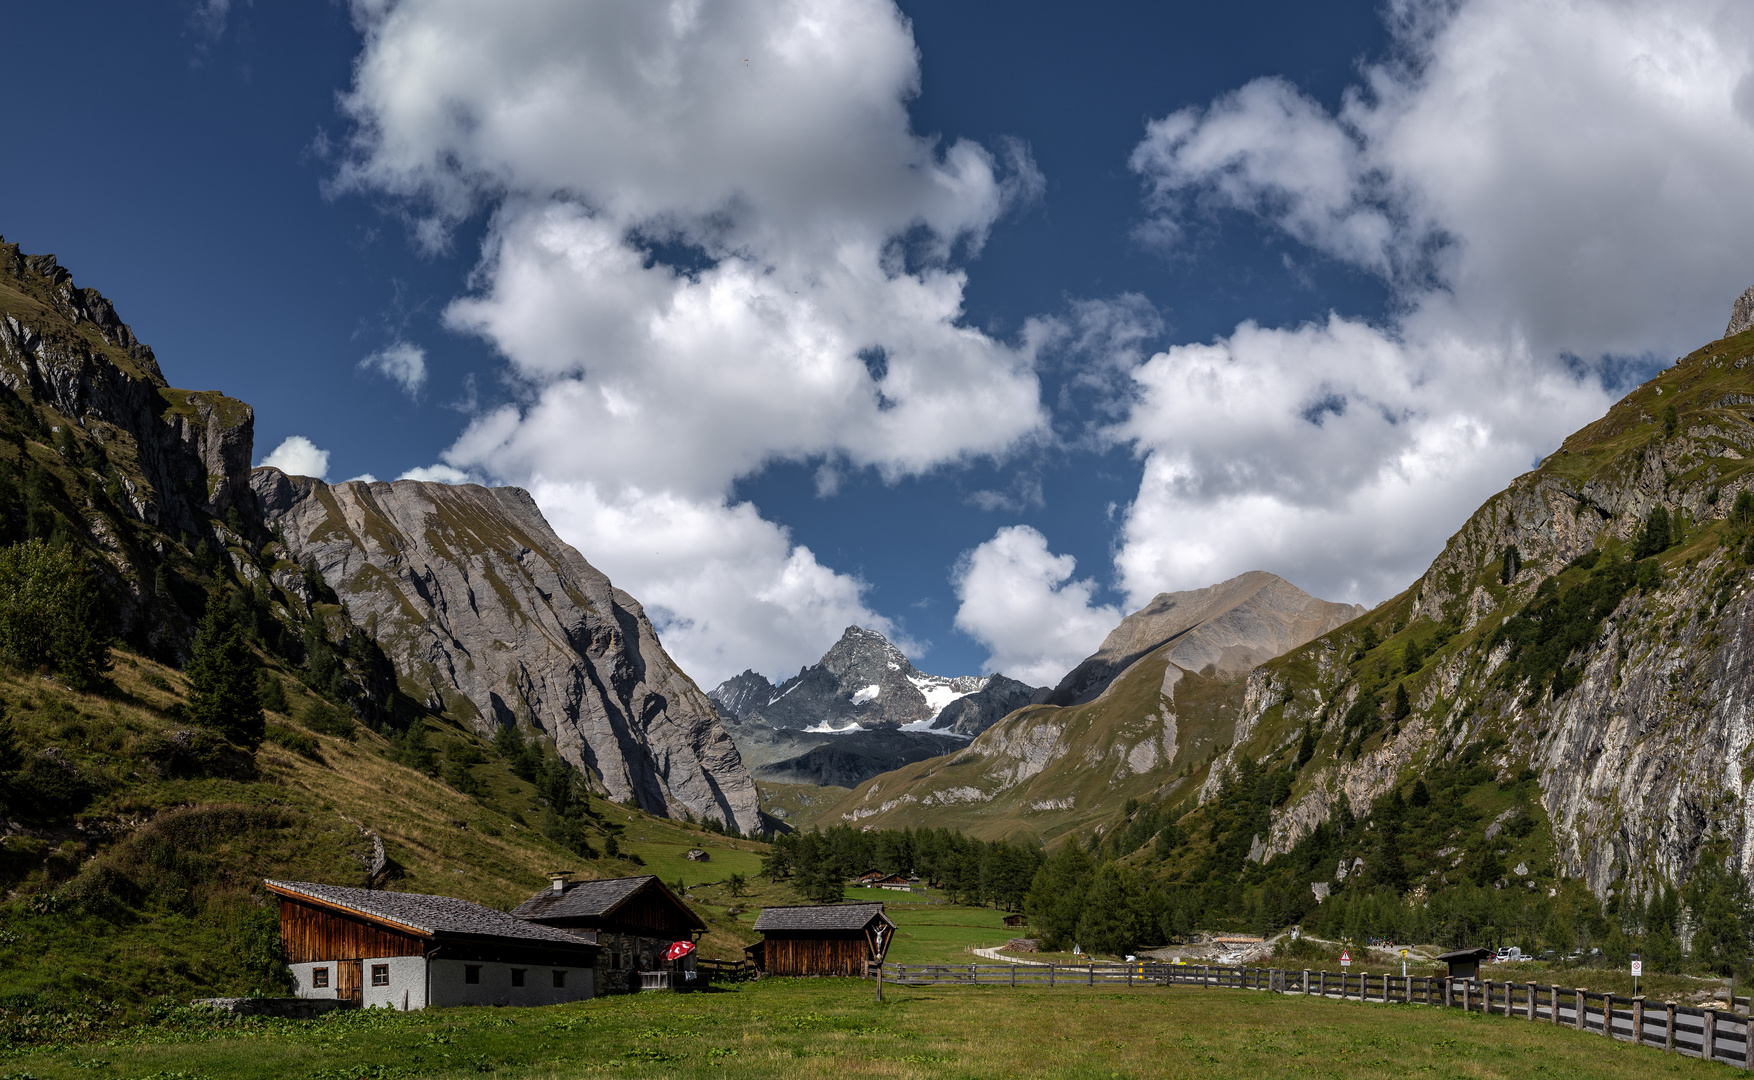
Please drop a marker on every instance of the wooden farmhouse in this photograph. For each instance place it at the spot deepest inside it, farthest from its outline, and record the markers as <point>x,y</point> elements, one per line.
<point>409,951</point>
<point>823,939</point>
<point>634,921</point>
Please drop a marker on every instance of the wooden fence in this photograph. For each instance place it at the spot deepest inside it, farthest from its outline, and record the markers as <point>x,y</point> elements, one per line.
<point>1680,1029</point>
<point>724,970</point>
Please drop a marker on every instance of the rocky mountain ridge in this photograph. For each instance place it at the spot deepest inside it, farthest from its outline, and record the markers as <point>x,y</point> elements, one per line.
<point>1130,722</point>
<point>491,617</point>
<point>1593,624</point>
<point>860,710</point>
<point>1225,629</point>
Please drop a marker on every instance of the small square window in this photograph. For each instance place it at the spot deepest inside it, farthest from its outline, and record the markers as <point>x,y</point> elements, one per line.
<point>320,977</point>
<point>471,973</point>
<point>380,974</point>
<point>559,979</point>
<point>517,976</point>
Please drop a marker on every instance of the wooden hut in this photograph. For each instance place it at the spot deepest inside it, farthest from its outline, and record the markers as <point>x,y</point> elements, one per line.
<point>820,939</point>
<point>409,951</point>
<point>1464,963</point>
<point>633,920</point>
<point>1016,919</point>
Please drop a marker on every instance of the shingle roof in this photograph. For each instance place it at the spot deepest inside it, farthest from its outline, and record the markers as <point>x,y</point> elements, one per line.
<point>820,917</point>
<point>594,899</point>
<point>433,915</point>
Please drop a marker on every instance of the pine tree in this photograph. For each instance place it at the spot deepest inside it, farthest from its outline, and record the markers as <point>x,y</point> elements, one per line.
<point>51,613</point>
<point>1403,705</point>
<point>1671,419</point>
<point>1306,749</point>
<point>1513,562</point>
<point>1653,538</point>
<point>222,677</point>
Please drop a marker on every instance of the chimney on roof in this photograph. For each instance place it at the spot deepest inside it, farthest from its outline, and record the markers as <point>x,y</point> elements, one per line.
<point>557,879</point>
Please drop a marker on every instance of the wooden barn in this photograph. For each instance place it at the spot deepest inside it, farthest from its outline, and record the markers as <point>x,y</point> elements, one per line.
<point>1016,919</point>
<point>822,939</point>
<point>409,951</point>
<point>634,921</point>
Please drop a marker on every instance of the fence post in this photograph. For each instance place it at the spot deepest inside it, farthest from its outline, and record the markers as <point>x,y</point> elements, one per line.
<point>1608,1015</point>
<point>1092,981</point>
<point>1583,1023</point>
<point>1013,974</point>
<point>1321,984</point>
<point>1448,991</point>
<point>1533,993</point>
<point>1553,1004</point>
<point>1638,1020</point>
<point>1467,995</point>
<point>1305,982</point>
<point>1407,988</point>
<point>879,984</point>
<point>1669,1028</point>
<point>1710,1046</point>
<point>1050,973</point>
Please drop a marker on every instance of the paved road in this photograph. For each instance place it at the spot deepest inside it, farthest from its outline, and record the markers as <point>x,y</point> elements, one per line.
<point>993,954</point>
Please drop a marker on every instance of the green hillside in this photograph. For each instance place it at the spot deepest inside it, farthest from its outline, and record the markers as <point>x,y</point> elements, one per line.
<point>1047,771</point>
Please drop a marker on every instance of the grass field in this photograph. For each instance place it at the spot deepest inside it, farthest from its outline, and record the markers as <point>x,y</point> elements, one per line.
<point>833,1028</point>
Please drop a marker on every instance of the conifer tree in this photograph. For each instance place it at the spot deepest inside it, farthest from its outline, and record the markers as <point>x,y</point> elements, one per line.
<point>222,677</point>
<point>51,613</point>
<point>1403,705</point>
<point>1653,538</point>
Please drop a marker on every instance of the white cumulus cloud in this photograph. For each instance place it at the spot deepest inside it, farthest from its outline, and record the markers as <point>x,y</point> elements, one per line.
<point>1537,181</point>
<point>400,362</point>
<point>715,244</point>
<point>1021,601</point>
<point>298,456</point>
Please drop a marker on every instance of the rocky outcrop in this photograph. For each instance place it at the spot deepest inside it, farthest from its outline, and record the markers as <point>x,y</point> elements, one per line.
<point>861,710</point>
<point>741,695</point>
<point>975,713</point>
<point>1741,314</point>
<point>1223,629</point>
<point>487,613</point>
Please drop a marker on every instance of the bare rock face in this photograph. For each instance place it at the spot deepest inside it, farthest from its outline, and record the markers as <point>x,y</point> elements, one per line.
<point>1229,627</point>
<point>1741,314</point>
<point>486,612</point>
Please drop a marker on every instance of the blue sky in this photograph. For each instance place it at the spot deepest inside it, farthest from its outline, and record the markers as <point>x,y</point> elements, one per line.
<point>977,323</point>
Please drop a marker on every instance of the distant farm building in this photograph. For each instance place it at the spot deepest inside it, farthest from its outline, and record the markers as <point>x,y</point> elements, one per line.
<point>697,855</point>
<point>873,879</point>
<point>823,939</point>
<point>633,920</point>
<point>1015,920</point>
<point>869,877</point>
<point>409,951</point>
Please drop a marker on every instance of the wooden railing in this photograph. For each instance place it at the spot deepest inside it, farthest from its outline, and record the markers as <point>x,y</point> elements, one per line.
<point>724,970</point>
<point>1680,1029</point>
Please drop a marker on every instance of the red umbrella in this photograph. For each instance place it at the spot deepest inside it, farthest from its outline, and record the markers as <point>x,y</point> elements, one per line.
<point>679,950</point>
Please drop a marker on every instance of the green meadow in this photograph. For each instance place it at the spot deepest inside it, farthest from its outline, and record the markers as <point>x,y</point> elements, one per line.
<point>835,1028</point>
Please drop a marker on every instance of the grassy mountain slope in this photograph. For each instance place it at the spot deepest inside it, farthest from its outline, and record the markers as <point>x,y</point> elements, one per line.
<point>1046,771</point>
<point>144,880</point>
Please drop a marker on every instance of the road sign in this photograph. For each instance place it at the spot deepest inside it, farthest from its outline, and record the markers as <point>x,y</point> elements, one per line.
<point>1345,957</point>
<point>1404,954</point>
<point>1637,966</point>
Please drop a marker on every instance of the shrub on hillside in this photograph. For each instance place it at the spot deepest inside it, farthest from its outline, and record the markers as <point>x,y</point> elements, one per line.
<point>51,613</point>
<point>326,719</point>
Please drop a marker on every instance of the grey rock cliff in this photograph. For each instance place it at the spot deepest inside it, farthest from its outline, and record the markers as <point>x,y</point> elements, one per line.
<point>1229,627</point>
<point>1741,314</point>
<point>489,614</point>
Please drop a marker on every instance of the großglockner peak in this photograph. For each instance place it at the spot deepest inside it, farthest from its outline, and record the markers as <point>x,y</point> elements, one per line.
<point>863,705</point>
